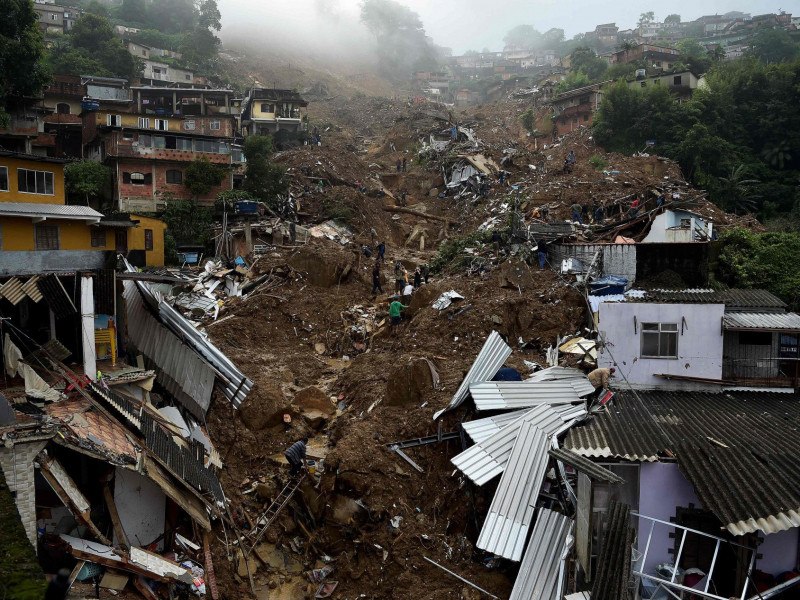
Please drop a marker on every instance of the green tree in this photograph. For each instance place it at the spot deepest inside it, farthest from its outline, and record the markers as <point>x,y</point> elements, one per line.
<point>187,222</point>
<point>202,176</point>
<point>92,41</point>
<point>573,81</point>
<point>87,179</point>
<point>738,191</point>
<point>523,36</point>
<point>264,180</point>
<point>774,46</point>
<point>22,72</point>
<point>97,8</point>
<point>528,120</point>
<point>553,36</point>
<point>673,19</point>
<point>175,16</point>
<point>647,17</point>
<point>585,60</point>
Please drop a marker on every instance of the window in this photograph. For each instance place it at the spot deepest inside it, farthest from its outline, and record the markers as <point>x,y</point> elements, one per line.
<point>755,338</point>
<point>686,223</point>
<point>3,179</point>
<point>659,340</point>
<point>98,237</point>
<point>174,176</point>
<point>114,120</point>
<point>148,239</point>
<point>162,124</point>
<point>35,182</point>
<point>183,144</point>
<point>145,140</point>
<point>46,237</point>
<point>144,123</point>
<point>677,80</point>
<point>137,178</point>
<point>159,141</point>
<point>127,135</point>
<point>215,125</point>
<point>585,118</point>
<point>267,108</point>
<point>189,125</point>
<point>188,77</point>
<point>62,108</point>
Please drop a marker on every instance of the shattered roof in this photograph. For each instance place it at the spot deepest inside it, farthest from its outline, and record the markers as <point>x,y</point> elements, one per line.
<point>738,449</point>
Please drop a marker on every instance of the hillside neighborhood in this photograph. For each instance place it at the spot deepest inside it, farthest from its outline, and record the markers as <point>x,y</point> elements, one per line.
<point>521,324</point>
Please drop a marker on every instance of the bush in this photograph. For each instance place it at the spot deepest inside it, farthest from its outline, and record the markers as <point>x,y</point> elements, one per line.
<point>598,162</point>
<point>453,249</point>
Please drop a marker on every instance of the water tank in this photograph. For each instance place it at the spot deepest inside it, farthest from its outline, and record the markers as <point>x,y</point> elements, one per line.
<point>640,74</point>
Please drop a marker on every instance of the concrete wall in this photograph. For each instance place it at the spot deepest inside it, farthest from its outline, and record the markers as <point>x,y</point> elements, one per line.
<point>666,227</point>
<point>141,506</point>
<point>25,263</point>
<point>17,465</point>
<point>779,552</point>
<point>662,487</point>
<point>616,259</point>
<point>136,238</point>
<point>14,195</point>
<point>699,344</point>
<point>18,234</point>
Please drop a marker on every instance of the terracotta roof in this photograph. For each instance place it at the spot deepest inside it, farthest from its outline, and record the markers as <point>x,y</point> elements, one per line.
<point>91,429</point>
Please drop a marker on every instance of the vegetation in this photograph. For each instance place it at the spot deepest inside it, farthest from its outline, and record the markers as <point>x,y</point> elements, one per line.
<point>739,138</point>
<point>762,260</point>
<point>598,162</point>
<point>264,180</point>
<point>451,251</point>
<point>21,49</point>
<point>403,46</point>
<point>528,38</point>
<point>92,47</point>
<point>202,176</point>
<point>187,223</point>
<point>88,180</point>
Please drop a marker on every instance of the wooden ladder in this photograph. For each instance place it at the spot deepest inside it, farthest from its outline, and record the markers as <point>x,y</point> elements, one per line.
<point>275,508</point>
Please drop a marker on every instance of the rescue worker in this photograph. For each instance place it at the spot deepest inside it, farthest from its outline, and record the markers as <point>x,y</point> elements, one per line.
<point>296,456</point>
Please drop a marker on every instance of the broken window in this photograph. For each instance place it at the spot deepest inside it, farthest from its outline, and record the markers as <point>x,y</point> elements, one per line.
<point>46,237</point>
<point>686,223</point>
<point>148,237</point>
<point>659,340</point>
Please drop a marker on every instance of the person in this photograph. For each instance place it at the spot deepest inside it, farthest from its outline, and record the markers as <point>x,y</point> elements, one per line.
<point>634,209</point>
<point>426,271</point>
<point>660,201</point>
<point>542,251</point>
<point>403,197</point>
<point>399,165</point>
<point>417,278</point>
<point>600,378</point>
<point>404,164</point>
<point>569,162</point>
<point>382,251</point>
<point>391,147</point>
<point>577,210</point>
<point>58,587</point>
<point>408,291</point>
<point>376,278</point>
<point>544,211</point>
<point>395,309</point>
<point>502,177</point>
<point>454,133</point>
<point>599,214</point>
<point>296,456</point>
<point>399,277</point>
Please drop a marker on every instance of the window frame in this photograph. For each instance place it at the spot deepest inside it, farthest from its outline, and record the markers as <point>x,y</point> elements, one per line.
<point>660,332</point>
<point>167,177</point>
<point>42,227</point>
<point>52,178</point>
<point>144,122</point>
<point>215,125</point>
<point>4,170</point>
<point>148,240</point>
<point>161,124</point>
<point>97,236</point>
<point>677,80</point>
<point>113,120</point>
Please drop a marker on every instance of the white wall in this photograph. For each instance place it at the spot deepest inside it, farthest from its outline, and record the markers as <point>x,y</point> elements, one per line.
<point>699,346</point>
<point>141,506</point>
<point>779,552</point>
<point>662,487</point>
<point>669,220</point>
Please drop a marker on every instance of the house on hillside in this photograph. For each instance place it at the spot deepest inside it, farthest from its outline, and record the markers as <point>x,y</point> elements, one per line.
<point>157,71</point>
<point>654,56</point>
<point>576,108</point>
<point>268,111</point>
<point>681,84</point>
<point>55,19</point>
<point>149,149</point>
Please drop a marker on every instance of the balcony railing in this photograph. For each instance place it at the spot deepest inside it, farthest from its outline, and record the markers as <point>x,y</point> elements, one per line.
<point>762,371</point>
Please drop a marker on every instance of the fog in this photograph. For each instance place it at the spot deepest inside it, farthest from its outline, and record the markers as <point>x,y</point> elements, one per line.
<point>331,28</point>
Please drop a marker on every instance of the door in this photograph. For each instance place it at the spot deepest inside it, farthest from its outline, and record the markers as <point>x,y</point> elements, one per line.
<point>121,238</point>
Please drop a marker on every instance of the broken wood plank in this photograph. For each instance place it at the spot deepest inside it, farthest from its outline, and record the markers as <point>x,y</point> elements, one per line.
<point>144,589</point>
<point>407,458</point>
<point>417,213</point>
<point>211,577</point>
<point>119,531</point>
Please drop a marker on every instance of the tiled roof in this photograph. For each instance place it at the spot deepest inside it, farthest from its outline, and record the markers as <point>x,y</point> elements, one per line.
<point>738,449</point>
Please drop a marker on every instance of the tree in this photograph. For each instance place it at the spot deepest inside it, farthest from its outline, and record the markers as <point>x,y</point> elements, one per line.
<point>263,179</point>
<point>585,60</point>
<point>21,50</point>
<point>738,191</point>
<point>528,120</point>
<point>133,11</point>
<point>523,36</point>
<point>774,46</point>
<point>97,8</point>
<point>673,19</point>
<point>202,176</point>
<point>175,16</point>
<point>553,36</point>
<point>87,179</point>
<point>647,17</point>
<point>187,223</point>
<point>694,56</point>
<point>92,41</point>
<point>573,81</point>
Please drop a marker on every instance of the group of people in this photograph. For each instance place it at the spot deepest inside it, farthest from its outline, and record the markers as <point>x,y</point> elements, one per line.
<point>401,165</point>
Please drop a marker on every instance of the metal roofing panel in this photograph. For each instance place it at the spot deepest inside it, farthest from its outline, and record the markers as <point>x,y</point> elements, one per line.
<point>738,449</point>
<point>734,299</point>
<point>511,512</point>
<point>553,373</point>
<point>584,465</point>
<point>31,288</point>
<point>484,461</point>
<point>489,360</point>
<point>494,395</point>
<point>538,575</point>
<point>12,291</point>
<point>55,211</point>
<point>179,369</point>
<point>771,321</point>
<point>57,298</point>
<point>482,429</point>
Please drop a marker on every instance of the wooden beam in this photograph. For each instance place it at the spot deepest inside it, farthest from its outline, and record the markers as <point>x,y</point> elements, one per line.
<point>211,577</point>
<point>119,531</point>
<point>416,213</point>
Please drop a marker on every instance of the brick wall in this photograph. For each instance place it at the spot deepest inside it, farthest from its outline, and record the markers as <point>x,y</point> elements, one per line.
<point>133,197</point>
<point>17,465</point>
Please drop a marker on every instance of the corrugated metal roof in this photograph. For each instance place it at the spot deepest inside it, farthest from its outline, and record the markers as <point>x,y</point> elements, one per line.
<point>53,211</point>
<point>538,575</point>
<point>12,291</point>
<point>489,360</point>
<point>57,298</point>
<point>761,321</point>
<point>506,395</point>
<point>586,466</point>
<point>482,429</point>
<point>484,461</point>
<point>612,579</point>
<point>734,299</point>
<point>554,373</point>
<point>738,449</point>
<point>31,288</point>
<point>179,369</point>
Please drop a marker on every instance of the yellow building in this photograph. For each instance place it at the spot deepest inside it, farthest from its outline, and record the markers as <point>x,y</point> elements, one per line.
<point>149,236</point>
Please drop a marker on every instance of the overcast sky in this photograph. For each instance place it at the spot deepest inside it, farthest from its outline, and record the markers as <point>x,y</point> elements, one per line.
<point>472,24</point>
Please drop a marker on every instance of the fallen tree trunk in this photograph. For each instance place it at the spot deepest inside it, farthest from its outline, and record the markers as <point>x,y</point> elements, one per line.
<point>417,213</point>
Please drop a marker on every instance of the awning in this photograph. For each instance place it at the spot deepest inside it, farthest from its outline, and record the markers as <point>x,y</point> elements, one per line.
<point>746,321</point>
<point>43,212</point>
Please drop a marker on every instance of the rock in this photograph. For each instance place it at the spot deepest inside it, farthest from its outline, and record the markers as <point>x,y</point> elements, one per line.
<point>314,399</point>
<point>408,384</point>
<point>264,406</point>
<point>242,565</point>
<point>266,491</point>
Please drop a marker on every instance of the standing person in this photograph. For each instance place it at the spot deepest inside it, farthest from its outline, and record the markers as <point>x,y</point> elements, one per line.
<point>542,252</point>
<point>404,164</point>
<point>426,271</point>
<point>382,251</point>
<point>577,210</point>
<point>417,278</point>
<point>376,278</point>
<point>660,201</point>
<point>395,309</point>
<point>399,277</point>
<point>599,214</point>
<point>634,209</point>
<point>296,456</point>
<point>399,165</point>
<point>408,291</point>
